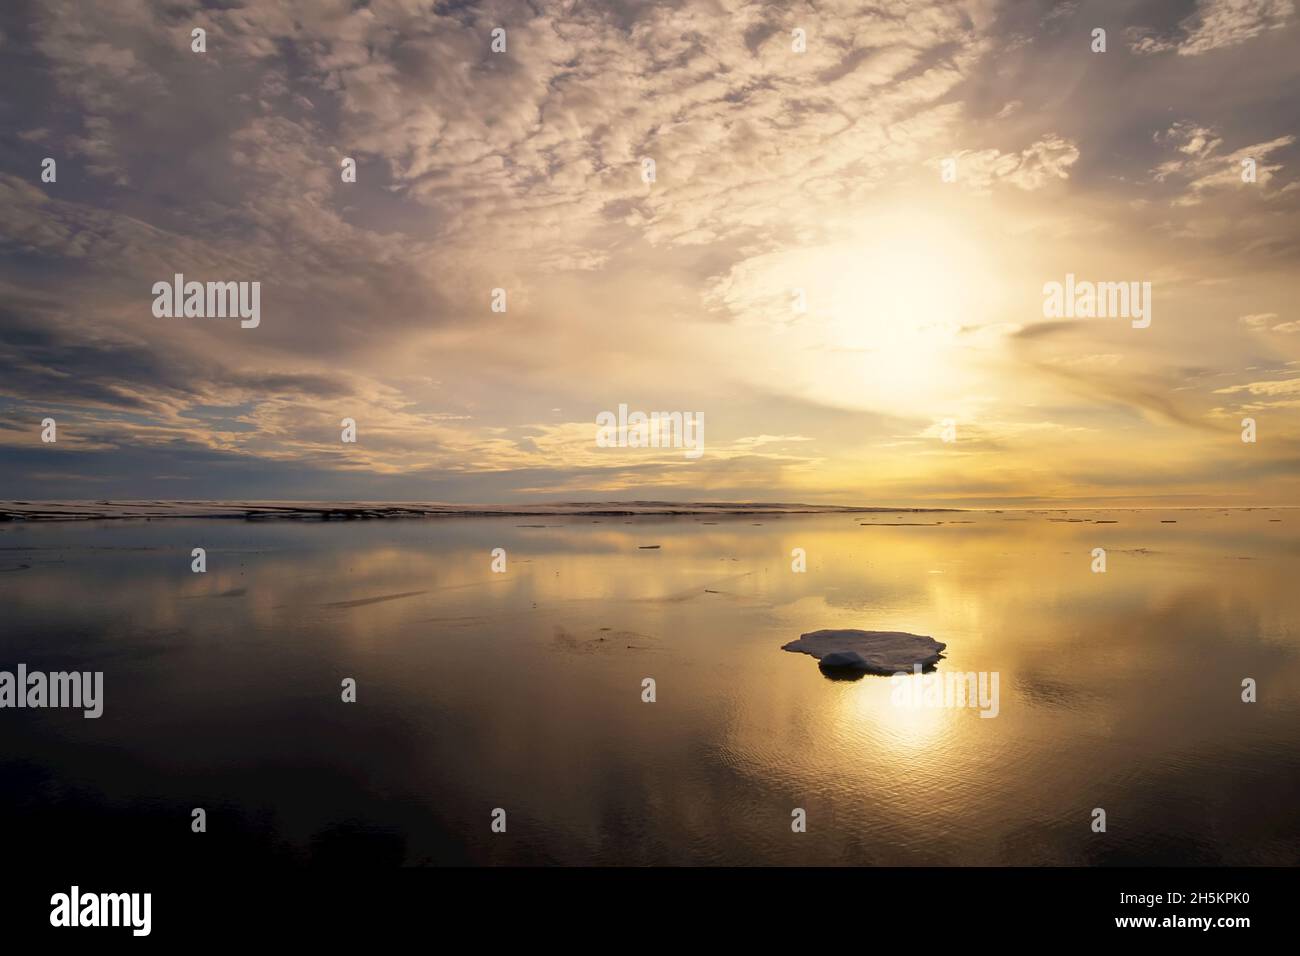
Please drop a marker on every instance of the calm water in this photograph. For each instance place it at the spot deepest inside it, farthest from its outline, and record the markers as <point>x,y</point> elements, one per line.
<point>523,690</point>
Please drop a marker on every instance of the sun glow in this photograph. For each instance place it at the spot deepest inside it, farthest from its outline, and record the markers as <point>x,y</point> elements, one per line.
<point>898,301</point>
<point>891,318</point>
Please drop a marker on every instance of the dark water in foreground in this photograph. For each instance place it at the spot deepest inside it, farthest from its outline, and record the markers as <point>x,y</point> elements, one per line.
<point>523,691</point>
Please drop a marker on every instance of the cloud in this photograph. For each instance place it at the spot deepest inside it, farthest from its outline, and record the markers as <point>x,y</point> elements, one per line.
<point>1273,389</point>
<point>1201,168</point>
<point>1216,24</point>
<point>522,171</point>
<point>1267,322</point>
<point>1044,161</point>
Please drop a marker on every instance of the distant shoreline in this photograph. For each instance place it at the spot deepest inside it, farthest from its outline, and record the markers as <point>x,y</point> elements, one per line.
<point>352,511</point>
<point>370,511</point>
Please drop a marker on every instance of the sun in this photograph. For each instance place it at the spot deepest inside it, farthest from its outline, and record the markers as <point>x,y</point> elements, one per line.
<point>889,311</point>
<point>899,314</point>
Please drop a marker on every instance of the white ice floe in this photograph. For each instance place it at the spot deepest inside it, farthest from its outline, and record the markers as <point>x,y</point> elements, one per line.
<point>875,652</point>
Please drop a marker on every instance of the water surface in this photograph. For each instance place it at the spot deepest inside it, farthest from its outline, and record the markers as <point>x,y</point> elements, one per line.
<point>523,690</point>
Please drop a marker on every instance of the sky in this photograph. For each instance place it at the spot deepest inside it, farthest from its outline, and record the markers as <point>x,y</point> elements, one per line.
<point>838,258</point>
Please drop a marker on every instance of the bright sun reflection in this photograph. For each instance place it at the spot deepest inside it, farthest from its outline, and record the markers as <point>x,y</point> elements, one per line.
<point>904,729</point>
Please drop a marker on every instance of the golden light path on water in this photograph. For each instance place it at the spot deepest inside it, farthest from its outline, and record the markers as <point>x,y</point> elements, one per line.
<point>524,689</point>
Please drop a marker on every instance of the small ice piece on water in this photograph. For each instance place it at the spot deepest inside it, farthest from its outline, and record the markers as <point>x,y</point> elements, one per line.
<point>873,652</point>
